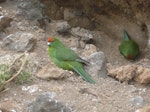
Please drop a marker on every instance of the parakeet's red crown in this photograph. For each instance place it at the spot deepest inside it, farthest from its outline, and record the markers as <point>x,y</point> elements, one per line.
<point>50,39</point>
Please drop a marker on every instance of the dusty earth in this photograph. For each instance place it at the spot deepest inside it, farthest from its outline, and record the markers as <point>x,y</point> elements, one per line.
<point>107,95</point>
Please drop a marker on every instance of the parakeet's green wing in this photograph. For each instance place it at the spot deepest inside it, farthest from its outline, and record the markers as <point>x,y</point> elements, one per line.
<point>62,52</point>
<point>65,53</point>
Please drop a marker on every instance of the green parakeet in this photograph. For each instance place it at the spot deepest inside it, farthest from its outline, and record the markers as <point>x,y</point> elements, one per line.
<point>66,58</point>
<point>129,48</point>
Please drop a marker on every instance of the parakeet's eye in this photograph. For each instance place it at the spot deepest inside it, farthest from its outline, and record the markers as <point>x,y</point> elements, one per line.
<point>50,39</point>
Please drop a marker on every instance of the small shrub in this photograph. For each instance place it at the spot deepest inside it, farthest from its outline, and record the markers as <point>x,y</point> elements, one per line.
<point>4,75</point>
<point>24,77</point>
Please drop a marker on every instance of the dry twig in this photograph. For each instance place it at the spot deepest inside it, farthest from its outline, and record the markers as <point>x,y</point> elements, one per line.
<point>15,62</point>
<point>21,68</point>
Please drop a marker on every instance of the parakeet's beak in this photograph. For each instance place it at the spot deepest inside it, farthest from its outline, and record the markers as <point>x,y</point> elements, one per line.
<point>48,43</point>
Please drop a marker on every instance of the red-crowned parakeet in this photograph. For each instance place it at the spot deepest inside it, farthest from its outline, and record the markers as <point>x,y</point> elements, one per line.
<point>129,48</point>
<point>66,58</point>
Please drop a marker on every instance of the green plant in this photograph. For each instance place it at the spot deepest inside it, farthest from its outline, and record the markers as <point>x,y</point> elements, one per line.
<point>24,77</point>
<point>3,67</point>
<point>16,72</point>
<point>4,75</point>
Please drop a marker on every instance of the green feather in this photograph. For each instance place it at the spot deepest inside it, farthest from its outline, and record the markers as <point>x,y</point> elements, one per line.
<point>67,59</point>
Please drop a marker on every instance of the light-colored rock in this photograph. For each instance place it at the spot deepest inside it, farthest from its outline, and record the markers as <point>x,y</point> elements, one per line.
<point>123,73</point>
<point>97,65</point>
<point>19,41</point>
<point>85,36</point>
<point>81,32</point>
<point>63,27</point>
<point>144,109</point>
<point>30,89</point>
<point>3,12</point>
<point>143,75</point>
<point>71,42</point>
<point>47,103</point>
<point>137,100</point>
<point>88,50</point>
<point>51,71</point>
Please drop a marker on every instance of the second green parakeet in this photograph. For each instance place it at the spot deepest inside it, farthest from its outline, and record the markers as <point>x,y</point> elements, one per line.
<point>66,58</point>
<point>129,48</point>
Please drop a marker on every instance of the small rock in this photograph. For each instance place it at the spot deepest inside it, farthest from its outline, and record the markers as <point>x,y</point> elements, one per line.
<point>88,50</point>
<point>4,22</point>
<point>81,32</point>
<point>123,73</point>
<point>144,109</point>
<point>9,106</point>
<point>143,75</point>
<point>19,41</point>
<point>47,103</point>
<point>63,27</point>
<point>97,64</point>
<point>51,71</point>
<point>85,36</point>
<point>137,100</point>
<point>31,89</point>
<point>40,31</point>
<point>72,42</point>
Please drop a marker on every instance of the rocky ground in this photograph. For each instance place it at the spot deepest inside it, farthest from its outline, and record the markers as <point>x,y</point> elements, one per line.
<point>121,85</point>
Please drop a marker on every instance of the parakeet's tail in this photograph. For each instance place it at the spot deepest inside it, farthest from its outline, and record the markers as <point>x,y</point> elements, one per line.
<point>126,36</point>
<point>83,74</point>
